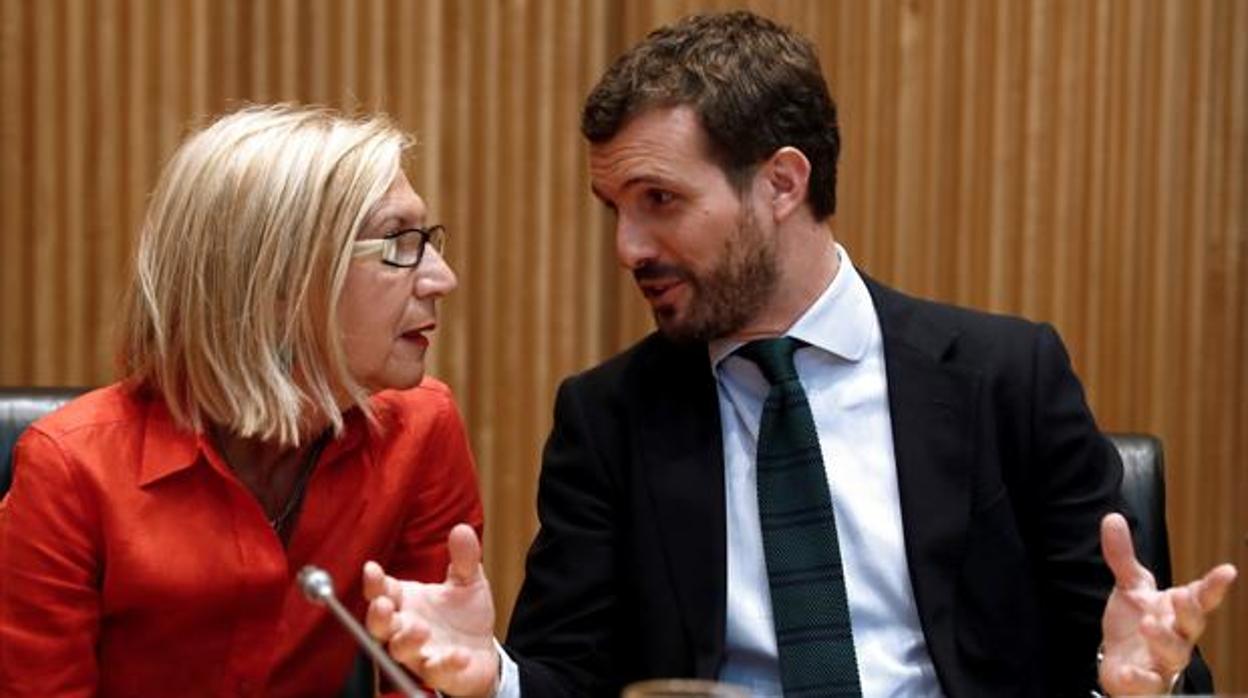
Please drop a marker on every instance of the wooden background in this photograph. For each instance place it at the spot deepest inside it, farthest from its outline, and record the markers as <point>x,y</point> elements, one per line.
<point>1077,161</point>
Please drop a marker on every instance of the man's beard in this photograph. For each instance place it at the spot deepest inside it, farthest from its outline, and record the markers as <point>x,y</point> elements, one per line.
<point>723,300</point>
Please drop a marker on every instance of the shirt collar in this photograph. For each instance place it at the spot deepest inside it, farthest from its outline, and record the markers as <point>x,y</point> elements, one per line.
<point>840,321</point>
<point>169,448</point>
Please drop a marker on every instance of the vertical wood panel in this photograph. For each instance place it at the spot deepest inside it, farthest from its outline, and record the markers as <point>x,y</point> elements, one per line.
<point>106,219</point>
<point>45,214</point>
<point>1083,163</point>
<point>72,259</point>
<point>13,194</point>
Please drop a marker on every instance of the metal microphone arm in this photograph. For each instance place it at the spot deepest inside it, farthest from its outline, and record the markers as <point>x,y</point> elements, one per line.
<point>318,587</point>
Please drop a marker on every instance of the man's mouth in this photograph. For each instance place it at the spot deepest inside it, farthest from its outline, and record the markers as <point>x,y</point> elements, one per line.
<point>658,282</point>
<point>653,289</point>
<point>659,291</point>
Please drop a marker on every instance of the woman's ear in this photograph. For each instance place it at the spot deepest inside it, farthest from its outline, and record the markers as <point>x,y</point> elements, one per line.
<point>787,173</point>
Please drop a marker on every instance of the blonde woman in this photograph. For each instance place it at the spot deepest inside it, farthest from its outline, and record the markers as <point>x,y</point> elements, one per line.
<point>273,412</point>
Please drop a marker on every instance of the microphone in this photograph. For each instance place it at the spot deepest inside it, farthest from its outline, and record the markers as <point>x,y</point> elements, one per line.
<point>318,587</point>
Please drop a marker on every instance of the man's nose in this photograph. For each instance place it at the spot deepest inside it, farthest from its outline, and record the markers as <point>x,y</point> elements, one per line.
<point>634,245</point>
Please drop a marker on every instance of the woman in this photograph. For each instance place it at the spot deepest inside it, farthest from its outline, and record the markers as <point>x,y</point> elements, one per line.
<point>271,414</point>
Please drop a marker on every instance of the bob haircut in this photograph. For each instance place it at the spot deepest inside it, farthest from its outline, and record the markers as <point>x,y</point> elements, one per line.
<point>231,316</point>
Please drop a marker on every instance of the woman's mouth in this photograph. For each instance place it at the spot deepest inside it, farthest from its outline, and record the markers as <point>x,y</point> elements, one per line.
<point>417,336</point>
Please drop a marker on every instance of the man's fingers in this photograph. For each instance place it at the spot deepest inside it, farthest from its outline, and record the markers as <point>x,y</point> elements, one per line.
<point>408,644</point>
<point>380,619</point>
<point>374,580</point>
<point>1189,617</point>
<point>1170,651</point>
<point>1212,588</point>
<point>1119,553</point>
<point>465,550</point>
<point>377,583</point>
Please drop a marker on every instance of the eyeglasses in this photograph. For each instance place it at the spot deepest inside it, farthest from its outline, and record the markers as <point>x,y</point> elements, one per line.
<point>403,248</point>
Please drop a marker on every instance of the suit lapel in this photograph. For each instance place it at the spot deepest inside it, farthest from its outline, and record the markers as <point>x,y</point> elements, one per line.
<point>932,408</point>
<point>682,455</point>
<point>932,404</point>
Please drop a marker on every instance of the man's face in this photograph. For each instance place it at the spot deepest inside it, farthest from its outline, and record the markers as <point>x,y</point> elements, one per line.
<point>700,256</point>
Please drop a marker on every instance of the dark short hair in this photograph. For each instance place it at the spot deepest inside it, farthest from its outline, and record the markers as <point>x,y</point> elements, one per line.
<point>755,85</point>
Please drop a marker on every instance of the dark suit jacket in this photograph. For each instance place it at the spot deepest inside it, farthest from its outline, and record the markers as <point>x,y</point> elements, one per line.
<point>1003,480</point>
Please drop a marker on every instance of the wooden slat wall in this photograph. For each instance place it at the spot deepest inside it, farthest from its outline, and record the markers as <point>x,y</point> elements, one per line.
<point>1078,162</point>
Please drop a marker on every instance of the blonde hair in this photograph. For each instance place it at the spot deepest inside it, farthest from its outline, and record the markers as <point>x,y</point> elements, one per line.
<point>232,312</point>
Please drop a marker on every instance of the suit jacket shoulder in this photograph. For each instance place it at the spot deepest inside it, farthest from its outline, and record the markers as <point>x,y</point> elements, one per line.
<point>1003,477</point>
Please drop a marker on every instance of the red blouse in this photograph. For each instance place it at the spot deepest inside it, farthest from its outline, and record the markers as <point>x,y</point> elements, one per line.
<point>134,563</point>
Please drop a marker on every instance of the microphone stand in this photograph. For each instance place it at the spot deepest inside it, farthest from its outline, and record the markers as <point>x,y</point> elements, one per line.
<point>318,587</point>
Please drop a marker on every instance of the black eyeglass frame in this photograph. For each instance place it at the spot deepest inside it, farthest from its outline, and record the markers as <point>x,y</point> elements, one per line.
<point>384,245</point>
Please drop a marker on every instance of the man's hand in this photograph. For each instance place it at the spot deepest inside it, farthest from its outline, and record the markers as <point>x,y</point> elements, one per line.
<point>442,632</point>
<point>1148,634</point>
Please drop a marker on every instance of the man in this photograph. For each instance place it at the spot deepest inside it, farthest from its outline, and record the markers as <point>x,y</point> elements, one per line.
<point>896,497</point>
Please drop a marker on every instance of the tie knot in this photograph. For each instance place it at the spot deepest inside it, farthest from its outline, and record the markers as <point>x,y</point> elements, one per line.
<point>774,357</point>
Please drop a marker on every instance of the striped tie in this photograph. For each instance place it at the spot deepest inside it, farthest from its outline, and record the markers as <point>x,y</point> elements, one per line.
<point>813,632</point>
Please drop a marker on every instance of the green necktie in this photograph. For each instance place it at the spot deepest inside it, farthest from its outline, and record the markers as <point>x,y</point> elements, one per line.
<point>813,633</point>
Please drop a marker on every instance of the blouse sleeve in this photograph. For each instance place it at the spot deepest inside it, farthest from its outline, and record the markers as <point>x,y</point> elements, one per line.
<point>49,575</point>
<point>446,494</point>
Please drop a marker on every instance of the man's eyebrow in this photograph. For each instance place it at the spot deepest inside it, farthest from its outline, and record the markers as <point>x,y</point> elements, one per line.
<point>639,180</point>
<point>647,179</point>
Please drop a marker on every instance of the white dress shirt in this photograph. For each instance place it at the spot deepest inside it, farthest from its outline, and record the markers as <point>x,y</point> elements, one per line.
<point>843,374</point>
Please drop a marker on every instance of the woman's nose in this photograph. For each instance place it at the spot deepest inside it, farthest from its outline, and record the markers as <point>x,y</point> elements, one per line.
<point>434,277</point>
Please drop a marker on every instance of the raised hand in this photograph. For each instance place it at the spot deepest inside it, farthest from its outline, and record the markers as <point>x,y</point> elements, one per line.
<point>442,632</point>
<point>1148,634</point>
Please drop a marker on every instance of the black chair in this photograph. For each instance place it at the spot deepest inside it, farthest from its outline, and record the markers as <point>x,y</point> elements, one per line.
<point>19,407</point>
<point>1144,497</point>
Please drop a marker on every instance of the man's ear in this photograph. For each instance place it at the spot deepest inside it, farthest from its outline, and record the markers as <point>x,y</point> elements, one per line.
<point>787,175</point>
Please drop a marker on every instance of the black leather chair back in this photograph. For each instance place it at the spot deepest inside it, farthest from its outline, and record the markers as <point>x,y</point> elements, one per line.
<point>1144,495</point>
<point>18,408</point>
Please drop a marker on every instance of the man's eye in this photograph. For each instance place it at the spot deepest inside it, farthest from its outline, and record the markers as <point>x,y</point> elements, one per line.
<point>659,197</point>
